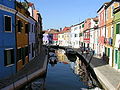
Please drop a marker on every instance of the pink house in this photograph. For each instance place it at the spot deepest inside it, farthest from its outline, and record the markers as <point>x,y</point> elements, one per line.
<point>102,28</point>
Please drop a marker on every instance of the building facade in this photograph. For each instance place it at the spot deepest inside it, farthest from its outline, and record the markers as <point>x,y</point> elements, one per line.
<point>22,35</point>
<point>102,29</point>
<point>116,39</point>
<point>110,29</point>
<point>87,26</point>
<point>93,29</point>
<point>7,38</point>
<point>81,35</point>
<point>32,38</point>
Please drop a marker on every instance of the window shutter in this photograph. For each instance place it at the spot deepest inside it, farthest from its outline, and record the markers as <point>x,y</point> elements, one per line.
<point>12,56</point>
<point>116,56</point>
<point>19,25</point>
<point>5,57</point>
<point>117,28</point>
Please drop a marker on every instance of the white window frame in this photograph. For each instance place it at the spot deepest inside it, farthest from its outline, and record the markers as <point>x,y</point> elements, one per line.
<point>11,63</point>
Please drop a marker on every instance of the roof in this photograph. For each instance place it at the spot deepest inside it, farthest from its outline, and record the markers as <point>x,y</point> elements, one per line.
<point>105,4</point>
<point>64,31</point>
<point>77,24</point>
<point>95,19</point>
<point>51,31</point>
<point>66,28</point>
<point>112,2</point>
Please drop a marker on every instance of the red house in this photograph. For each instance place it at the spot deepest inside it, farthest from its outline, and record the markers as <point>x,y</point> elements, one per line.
<point>86,38</point>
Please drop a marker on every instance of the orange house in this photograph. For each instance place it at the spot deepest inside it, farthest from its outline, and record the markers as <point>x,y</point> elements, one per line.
<point>110,30</point>
<point>22,37</point>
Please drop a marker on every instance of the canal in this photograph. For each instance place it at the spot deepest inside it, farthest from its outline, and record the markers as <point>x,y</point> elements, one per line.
<point>64,73</point>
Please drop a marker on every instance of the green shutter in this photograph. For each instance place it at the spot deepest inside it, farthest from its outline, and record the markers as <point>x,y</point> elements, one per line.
<point>117,28</point>
<point>116,56</point>
<point>119,60</point>
<point>108,52</point>
<point>83,26</point>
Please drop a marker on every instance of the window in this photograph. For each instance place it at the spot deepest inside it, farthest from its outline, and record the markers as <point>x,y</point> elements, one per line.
<point>75,35</point>
<point>7,23</point>
<point>19,54</point>
<point>20,26</point>
<point>32,28</point>
<point>26,51</point>
<point>116,56</point>
<point>8,57</point>
<point>118,28</point>
<point>27,28</point>
<point>80,27</point>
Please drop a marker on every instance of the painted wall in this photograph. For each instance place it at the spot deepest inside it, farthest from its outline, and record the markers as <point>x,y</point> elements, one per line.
<point>45,39</point>
<point>116,42</point>
<point>110,30</point>
<point>7,40</point>
<point>87,26</point>
<point>8,3</point>
<point>32,38</point>
<point>75,30</point>
<point>22,37</point>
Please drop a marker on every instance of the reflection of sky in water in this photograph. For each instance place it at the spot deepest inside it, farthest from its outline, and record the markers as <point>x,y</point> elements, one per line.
<point>61,77</point>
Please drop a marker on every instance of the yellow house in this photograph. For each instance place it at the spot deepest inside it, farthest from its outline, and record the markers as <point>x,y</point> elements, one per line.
<point>110,30</point>
<point>22,30</point>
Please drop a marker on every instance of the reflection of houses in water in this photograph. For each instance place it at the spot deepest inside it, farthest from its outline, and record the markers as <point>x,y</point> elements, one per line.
<point>62,57</point>
<point>81,69</point>
<point>77,66</point>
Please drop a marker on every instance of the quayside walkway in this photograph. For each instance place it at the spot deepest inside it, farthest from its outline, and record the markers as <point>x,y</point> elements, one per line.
<point>33,69</point>
<point>108,76</point>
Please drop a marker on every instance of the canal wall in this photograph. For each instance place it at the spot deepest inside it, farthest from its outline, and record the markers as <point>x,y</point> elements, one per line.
<point>31,71</point>
<point>107,76</point>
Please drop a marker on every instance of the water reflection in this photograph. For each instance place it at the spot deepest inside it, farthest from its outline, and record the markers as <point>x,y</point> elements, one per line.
<point>79,68</point>
<point>61,77</point>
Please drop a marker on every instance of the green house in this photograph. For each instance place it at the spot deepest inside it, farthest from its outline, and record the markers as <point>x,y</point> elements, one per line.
<point>116,40</point>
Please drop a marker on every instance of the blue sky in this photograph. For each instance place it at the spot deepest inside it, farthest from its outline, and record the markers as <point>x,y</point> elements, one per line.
<point>60,13</point>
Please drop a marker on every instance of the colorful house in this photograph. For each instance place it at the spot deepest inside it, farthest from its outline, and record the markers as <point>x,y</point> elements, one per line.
<point>61,38</point>
<point>81,33</point>
<point>45,38</point>
<point>87,25</point>
<point>32,38</point>
<point>7,38</point>
<point>109,29</point>
<point>38,31</point>
<point>116,38</point>
<point>32,22</point>
<point>55,38</point>
<point>66,40</point>
<point>75,39</point>
<point>22,35</point>
<point>93,29</point>
<point>102,29</point>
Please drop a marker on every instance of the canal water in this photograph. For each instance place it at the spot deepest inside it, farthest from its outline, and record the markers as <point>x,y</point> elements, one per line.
<point>64,74</point>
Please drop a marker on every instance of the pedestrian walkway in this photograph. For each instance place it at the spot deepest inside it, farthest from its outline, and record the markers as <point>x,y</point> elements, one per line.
<point>37,64</point>
<point>108,76</point>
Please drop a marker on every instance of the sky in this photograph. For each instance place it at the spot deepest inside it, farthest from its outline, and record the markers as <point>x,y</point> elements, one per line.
<point>57,14</point>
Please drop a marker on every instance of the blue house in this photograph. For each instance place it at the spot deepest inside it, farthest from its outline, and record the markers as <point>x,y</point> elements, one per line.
<point>7,38</point>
